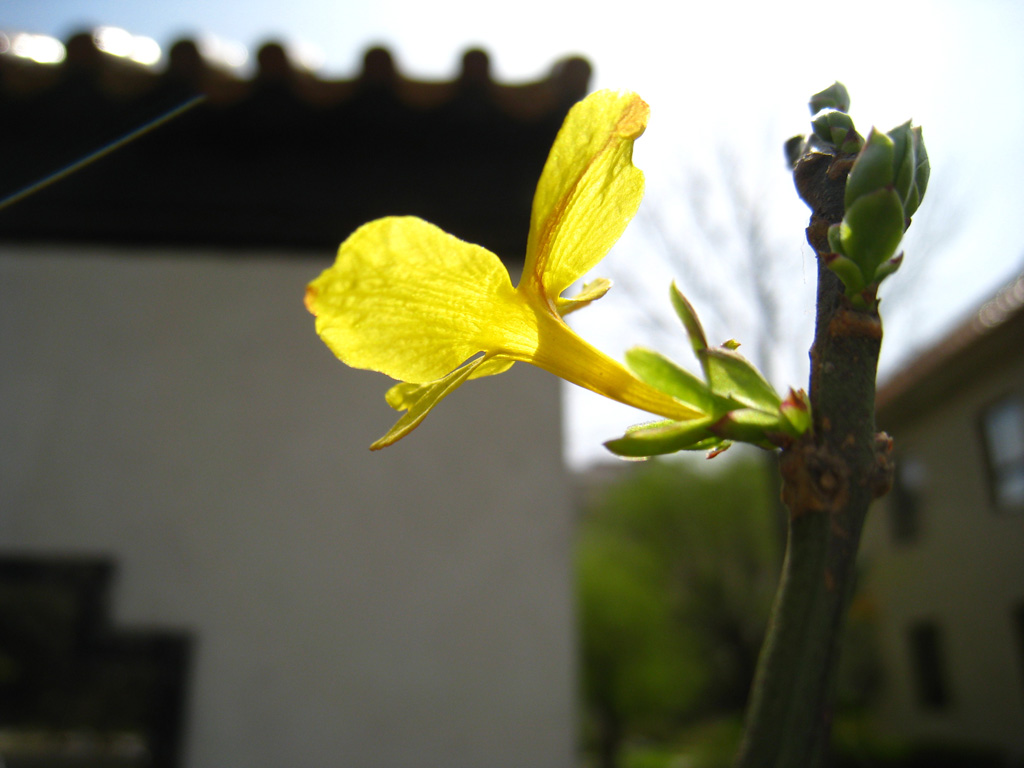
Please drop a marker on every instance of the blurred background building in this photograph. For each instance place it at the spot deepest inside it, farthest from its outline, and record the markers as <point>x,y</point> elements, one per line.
<point>201,564</point>
<point>943,554</point>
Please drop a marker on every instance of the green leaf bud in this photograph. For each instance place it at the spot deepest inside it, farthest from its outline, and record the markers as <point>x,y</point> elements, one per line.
<point>884,188</point>
<point>924,167</point>
<point>834,97</point>
<point>873,168</point>
<point>922,172</point>
<point>793,149</point>
<point>904,159</point>
<point>847,270</point>
<point>836,128</point>
<point>663,437</point>
<point>886,268</point>
<point>820,126</point>
<point>796,410</point>
<point>872,229</point>
<point>911,204</point>
<point>835,242</point>
<point>852,144</point>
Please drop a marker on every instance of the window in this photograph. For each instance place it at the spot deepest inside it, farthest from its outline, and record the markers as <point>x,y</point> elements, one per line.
<point>905,503</point>
<point>1002,425</point>
<point>927,667</point>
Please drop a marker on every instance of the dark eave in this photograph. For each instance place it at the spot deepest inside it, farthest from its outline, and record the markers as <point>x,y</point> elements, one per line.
<point>283,159</point>
<point>990,338</point>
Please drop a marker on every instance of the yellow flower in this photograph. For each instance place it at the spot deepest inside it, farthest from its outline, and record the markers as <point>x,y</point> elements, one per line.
<point>413,302</point>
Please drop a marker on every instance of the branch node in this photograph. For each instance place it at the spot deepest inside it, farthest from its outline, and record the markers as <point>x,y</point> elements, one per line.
<point>853,323</point>
<point>883,469</point>
<point>815,479</point>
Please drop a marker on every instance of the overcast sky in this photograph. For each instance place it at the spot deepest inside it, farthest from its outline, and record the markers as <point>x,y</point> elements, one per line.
<point>729,80</point>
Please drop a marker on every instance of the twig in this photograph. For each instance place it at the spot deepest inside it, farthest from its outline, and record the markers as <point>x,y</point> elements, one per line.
<point>830,478</point>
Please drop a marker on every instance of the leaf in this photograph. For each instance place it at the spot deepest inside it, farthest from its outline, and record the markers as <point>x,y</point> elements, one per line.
<point>747,425</point>
<point>733,376</point>
<point>661,373</point>
<point>691,323</point>
<point>663,437</point>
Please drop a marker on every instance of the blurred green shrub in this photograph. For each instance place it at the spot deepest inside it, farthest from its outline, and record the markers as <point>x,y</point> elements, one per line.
<point>675,570</point>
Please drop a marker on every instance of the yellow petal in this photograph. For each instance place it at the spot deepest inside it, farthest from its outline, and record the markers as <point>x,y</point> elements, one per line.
<point>591,291</point>
<point>588,192</point>
<point>492,367</point>
<point>409,300</point>
<point>421,400</point>
<point>405,395</point>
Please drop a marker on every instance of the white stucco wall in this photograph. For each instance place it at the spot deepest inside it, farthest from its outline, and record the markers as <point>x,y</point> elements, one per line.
<point>409,607</point>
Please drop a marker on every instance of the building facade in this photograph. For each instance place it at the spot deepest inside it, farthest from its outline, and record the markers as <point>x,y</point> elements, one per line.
<point>166,410</point>
<point>943,553</point>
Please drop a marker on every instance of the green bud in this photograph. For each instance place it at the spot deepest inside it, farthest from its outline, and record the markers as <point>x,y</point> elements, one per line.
<point>886,268</point>
<point>852,144</point>
<point>922,171</point>
<point>834,97</point>
<point>836,128</point>
<point>796,410</point>
<point>904,159</point>
<point>872,229</point>
<point>835,242</point>
<point>897,159</point>
<point>873,168</point>
<point>847,271</point>
<point>884,187</point>
<point>820,126</point>
<point>912,203</point>
<point>794,150</point>
<point>924,168</point>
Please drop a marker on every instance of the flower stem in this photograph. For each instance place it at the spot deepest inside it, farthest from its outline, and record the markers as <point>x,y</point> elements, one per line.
<point>829,480</point>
